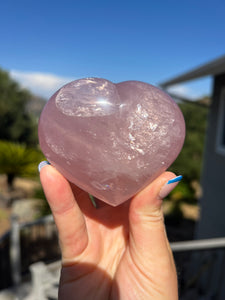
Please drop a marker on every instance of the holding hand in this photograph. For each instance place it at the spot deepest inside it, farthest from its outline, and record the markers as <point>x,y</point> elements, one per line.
<point>112,252</point>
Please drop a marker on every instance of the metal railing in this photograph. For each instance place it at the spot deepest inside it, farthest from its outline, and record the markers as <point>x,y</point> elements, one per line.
<point>25,244</point>
<point>201,268</point>
<point>204,244</point>
<point>200,263</point>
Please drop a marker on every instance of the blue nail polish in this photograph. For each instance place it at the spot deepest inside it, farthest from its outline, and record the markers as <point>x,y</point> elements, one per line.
<point>42,164</point>
<point>176,179</point>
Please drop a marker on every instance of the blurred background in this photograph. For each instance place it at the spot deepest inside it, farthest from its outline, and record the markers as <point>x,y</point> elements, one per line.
<point>44,45</point>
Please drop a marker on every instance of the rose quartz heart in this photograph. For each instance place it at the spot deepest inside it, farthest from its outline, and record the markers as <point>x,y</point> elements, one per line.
<point>109,139</point>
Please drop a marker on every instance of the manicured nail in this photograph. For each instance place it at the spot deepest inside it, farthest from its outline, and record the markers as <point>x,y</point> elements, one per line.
<point>169,186</point>
<point>43,164</point>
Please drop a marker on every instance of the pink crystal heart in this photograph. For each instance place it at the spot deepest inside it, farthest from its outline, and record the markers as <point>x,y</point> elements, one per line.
<point>109,139</point>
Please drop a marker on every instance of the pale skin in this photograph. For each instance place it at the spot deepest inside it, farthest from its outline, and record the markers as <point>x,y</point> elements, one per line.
<point>118,253</point>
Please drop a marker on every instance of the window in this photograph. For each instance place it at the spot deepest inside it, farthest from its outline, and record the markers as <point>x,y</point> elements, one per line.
<point>221,125</point>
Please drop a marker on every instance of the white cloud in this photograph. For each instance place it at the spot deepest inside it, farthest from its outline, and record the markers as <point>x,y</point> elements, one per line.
<point>194,89</point>
<point>42,84</point>
<point>45,84</point>
<point>182,91</point>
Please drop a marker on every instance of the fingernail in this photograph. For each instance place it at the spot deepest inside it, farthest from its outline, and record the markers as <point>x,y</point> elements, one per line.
<point>169,186</point>
<point>42,164</point>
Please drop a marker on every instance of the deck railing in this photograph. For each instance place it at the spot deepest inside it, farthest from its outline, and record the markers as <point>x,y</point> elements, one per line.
<point>197,245</point>
<point>25,244</point>
<point>200,263</point>
<point>201,268</point>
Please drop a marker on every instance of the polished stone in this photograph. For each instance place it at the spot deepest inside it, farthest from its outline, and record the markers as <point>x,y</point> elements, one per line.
<point>110,139</point>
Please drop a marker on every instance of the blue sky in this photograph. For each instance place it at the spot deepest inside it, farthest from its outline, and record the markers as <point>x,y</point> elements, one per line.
<point>44,44</point>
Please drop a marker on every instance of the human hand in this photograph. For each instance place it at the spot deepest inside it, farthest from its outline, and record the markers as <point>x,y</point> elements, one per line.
<point>112,252</point>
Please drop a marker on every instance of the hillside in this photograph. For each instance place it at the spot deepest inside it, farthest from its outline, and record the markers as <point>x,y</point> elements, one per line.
<point>35,105</point>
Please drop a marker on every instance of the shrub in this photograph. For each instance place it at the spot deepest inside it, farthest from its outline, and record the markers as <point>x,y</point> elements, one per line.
<point>18,160</point>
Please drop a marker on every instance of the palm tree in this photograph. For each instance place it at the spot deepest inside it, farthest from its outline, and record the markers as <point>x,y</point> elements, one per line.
<point>18,160</point>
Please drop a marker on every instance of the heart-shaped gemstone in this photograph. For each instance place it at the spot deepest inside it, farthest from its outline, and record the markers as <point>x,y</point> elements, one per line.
<point>109,139</point>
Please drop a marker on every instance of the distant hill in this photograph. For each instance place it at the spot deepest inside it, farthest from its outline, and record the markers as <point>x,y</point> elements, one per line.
<point>206,100</point>
<point>35,105</point>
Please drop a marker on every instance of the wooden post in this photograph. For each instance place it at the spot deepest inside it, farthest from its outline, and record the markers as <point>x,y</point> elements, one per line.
<point>15,255</point>
<point>39,280</point>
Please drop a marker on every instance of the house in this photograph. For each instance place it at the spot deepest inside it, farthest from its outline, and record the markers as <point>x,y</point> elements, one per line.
<point>212,203</point>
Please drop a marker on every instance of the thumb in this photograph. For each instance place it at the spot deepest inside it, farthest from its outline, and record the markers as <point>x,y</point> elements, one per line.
<point>148,237</point>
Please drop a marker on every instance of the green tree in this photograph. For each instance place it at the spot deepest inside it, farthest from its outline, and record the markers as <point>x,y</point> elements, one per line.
<point>189,162</point>
<point>16,124</point>
<point>18,160</point>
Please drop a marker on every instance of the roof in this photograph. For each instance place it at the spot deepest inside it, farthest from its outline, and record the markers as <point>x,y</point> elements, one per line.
<point>214,67</point>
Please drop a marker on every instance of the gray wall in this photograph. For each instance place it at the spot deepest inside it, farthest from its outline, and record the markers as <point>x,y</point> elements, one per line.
<point>212,220</point>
